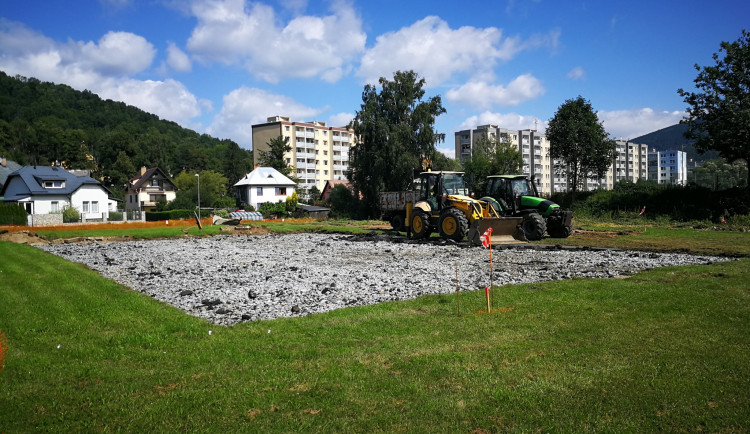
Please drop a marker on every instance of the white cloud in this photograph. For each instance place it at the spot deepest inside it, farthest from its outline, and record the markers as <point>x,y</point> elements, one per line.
<point>177,59</point>
<point>246,106</point>
<point>102,67</point>
<point>437,52</point>
<point>511,121</point>
<point>482,95</point>
<point>628,124</point>
<point>167,99</point>
<point>308,46</point>
<point>340,119</point>
<point>576,73</point>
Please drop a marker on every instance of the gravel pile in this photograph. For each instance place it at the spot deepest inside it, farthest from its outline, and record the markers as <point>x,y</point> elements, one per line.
<point>231,279</point>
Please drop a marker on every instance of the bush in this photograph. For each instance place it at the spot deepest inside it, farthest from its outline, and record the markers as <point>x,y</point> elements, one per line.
<point>12,214</point>
<point>221,213</point>
<point>71,215</point>
<point>270,208</point>
<point>115,216</point>
<point>175,214</point>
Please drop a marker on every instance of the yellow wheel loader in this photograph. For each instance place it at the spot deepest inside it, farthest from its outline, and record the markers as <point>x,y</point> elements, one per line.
<point>441,203</point>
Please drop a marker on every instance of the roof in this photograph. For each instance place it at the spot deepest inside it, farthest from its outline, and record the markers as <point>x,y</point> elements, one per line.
<point>32,182</point>
<point>7,169</point>
<point>136,182</point>
<point>507,176</point>
<point>444,172</point>
<point>312,208</point>
<point>265,176</point>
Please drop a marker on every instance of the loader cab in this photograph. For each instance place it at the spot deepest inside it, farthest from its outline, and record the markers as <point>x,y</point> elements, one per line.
<point>434,187</point>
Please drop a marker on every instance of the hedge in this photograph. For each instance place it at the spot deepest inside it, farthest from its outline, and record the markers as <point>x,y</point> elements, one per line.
<point>12,214</point>
<point>175,214</point>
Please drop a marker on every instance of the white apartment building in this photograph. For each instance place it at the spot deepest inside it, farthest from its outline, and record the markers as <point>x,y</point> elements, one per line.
<point>668,167</point>
<point>319,153</point>
<point>629,163</point>
<point>533,145</point>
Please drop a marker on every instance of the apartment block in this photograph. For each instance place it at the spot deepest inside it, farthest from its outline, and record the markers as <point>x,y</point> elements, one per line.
<point>533,145</point>
<point>668,167</point>
<point>629,163</point>
<point>319,153</point>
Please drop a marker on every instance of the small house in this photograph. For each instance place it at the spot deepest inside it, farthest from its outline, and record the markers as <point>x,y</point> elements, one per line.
<point>149,187</point>
<point>264,184</point>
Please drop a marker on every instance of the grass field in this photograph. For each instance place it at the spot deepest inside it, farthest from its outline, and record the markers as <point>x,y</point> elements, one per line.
<point>663,350</point>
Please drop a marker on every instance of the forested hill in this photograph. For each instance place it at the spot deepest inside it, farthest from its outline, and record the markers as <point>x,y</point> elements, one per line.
<point>670,138</point>
<point>41,122</point>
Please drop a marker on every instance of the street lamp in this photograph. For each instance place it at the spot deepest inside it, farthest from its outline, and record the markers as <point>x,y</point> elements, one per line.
<point>197,175</point>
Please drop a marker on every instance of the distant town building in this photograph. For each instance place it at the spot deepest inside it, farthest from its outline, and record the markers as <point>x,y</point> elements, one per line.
<point>668,167</point>
<point>319,153</point>
<point>533,146</point>
<point>630,163</point>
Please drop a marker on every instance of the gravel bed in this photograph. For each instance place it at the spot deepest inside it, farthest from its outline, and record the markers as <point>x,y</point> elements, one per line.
<point>231,279</point>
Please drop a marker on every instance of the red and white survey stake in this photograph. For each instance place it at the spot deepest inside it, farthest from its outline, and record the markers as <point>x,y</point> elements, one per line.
<point>487,244</point>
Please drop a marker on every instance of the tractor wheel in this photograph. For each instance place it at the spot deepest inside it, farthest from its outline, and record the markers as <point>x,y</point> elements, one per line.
<point>453,224</point>
<point>420,225</point>
<point>397,222</point>
<point>534,226</point>
<point>560,231</point>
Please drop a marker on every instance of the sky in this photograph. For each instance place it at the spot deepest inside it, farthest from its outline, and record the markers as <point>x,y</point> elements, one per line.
<point>220,66</point>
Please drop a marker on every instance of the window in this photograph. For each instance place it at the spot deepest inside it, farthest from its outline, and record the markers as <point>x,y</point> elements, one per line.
<point>280,191</point>
<point>86,206</point>
<point>54,184</point>
<point>286,127</point>
<point>259,191</point>
<point>95,206</point>
<point>55,206</point>
<point>154,183</point>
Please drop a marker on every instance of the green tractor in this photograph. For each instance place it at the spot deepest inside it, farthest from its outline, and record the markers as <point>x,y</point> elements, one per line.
<point>517,196</point>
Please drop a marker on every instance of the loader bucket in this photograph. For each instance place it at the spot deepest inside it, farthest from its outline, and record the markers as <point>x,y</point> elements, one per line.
<point>505,230</point>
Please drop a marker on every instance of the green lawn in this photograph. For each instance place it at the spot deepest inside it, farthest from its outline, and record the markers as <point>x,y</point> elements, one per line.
<point>663,350</point>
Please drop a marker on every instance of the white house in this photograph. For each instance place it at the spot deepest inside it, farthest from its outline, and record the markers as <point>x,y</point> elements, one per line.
<point>44,190</point>
<point>264,184</point>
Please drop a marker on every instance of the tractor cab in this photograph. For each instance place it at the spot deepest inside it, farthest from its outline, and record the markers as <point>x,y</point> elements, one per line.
<point>510,191</point>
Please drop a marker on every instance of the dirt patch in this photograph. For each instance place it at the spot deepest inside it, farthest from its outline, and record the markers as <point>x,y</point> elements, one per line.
<point>22,237</point>
<point>246,230</point>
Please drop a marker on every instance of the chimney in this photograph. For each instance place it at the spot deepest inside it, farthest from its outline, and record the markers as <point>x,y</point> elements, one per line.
<point>3,161</point>
<point>143,170</point>
<point>256,166</point>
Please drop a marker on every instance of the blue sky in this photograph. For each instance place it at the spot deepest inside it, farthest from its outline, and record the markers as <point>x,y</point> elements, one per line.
<point>219,66</point>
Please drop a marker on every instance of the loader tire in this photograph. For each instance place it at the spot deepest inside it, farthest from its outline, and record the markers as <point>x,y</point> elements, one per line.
<point>453,224</point>
<point>420,225</point>
<point>534,226</point>
<point>397,222</point>
<point>560,231</point>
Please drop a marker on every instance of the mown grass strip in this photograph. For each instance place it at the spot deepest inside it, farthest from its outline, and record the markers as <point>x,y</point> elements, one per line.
<point>663,350</point>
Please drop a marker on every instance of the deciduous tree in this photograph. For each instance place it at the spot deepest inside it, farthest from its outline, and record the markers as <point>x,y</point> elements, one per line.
<point>719,111</point>
<point>395,132</point>
<point>491,157</point>
<point>274,157</point>
<point>579,141</point>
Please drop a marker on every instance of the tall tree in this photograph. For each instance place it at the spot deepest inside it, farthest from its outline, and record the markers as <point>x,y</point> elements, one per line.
<point>579,141</point>
<point>719,112</point>
<point>274,157</point>
<point>395,134</point>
